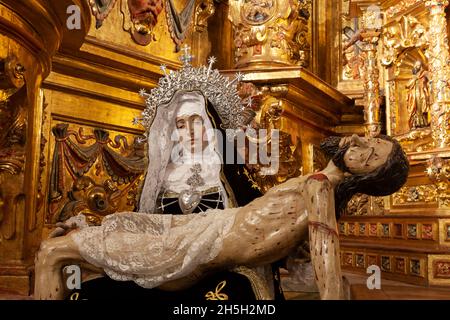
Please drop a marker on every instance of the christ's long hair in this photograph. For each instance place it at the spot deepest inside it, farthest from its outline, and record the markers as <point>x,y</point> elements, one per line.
<point>383,181</point>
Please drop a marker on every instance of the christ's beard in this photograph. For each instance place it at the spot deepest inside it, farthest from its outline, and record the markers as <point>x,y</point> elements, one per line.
<point>331,147</point>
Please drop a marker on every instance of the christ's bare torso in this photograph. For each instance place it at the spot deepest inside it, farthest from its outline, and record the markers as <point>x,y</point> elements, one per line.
<point>266,230</point>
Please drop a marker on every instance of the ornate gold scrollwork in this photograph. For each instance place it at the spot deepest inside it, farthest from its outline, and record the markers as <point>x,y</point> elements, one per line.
<point>364,205</point>
<point>105,175</point>
<point>290,154</point>
<point>438,170</point>
<point>404,48</point>
<point>12,77</point>
<point>203,11</point>
<point>415,194</point>
<point>407,33</point>
<point>416,140</point>
<point>400,7</point>
<point>270,31</point>
<point>13,121</point>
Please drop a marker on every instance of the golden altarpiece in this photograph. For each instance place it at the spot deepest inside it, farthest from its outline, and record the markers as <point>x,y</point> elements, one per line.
<point>71,70</point>
<point>408,233</point>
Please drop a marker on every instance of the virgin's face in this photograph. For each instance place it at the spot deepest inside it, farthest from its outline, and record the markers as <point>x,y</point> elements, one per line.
<point>191,133</point>
<point>365,154</point>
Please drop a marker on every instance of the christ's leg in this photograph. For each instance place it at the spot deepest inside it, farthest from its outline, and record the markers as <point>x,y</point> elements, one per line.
<point>53,255</point>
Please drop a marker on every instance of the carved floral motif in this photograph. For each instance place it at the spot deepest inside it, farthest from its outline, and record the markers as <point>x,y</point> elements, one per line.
<point>415,194</point>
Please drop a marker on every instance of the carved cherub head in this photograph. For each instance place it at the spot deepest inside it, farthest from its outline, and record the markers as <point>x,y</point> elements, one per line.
<point>144,14</point>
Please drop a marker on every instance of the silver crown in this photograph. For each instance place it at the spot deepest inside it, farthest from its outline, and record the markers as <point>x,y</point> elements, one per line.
<point>219,90</point>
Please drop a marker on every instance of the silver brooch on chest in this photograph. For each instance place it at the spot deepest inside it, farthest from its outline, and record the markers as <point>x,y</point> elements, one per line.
<point>191,198</point>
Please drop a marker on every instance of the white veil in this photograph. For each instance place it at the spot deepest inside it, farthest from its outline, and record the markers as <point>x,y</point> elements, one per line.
<point>160,146</point>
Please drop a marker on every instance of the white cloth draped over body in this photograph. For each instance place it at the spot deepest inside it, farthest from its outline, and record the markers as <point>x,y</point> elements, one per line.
<point>152,249</point>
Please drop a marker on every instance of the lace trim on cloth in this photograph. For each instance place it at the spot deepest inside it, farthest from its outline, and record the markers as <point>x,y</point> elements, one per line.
<point>152,249</point>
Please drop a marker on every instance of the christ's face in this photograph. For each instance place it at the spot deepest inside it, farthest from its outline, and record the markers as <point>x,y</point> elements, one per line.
<point>365,155</point>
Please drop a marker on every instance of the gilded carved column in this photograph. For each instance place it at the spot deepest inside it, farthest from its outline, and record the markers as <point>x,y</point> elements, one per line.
<point>439,71</point>
<point>370,36</point>
<point>30,34</point>
<point>372,85</point>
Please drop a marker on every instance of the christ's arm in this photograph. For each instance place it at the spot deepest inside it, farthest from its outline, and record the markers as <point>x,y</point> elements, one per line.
<point>323,237</point>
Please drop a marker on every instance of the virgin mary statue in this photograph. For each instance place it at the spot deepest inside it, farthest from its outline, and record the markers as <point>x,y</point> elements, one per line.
<point>194,166</point>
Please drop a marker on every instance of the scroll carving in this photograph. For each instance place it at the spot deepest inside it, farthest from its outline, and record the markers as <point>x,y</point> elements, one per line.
<point>270,31</point>
<point>290,153</point>
<point>13,122</point>
<point>102,176</point>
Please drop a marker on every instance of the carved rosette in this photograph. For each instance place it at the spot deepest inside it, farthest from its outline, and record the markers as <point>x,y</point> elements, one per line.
<point>442,270</point>
<point>270,31</point>
<point>439,58</point>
